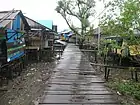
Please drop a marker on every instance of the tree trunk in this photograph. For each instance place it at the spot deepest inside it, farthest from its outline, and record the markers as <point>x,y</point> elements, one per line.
<point>81,42</point>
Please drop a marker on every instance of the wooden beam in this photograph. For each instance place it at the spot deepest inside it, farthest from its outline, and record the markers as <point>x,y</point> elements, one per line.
<point>112,66</point>
<point>88,50</point>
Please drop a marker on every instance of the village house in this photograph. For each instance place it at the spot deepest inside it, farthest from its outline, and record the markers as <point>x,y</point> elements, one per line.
<point>15,27</point>
<point>38,39</point>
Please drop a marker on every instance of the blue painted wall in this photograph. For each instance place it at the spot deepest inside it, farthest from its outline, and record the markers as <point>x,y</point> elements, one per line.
<point>15,56</point>
<point>15,40</point>
<point>16,23</point>
<point>13,36</point>
<point>10,33</point>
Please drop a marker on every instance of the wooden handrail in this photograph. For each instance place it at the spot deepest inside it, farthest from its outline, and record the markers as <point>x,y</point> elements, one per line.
<point>113,66</point>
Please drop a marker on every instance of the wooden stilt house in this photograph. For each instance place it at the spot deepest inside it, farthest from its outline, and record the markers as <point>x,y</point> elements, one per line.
<point>37,39</point>
<point>13,27</point>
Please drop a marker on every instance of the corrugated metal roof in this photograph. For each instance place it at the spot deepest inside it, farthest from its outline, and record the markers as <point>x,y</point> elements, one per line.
<point>4,23</point>
<point>7,16</point>
<point>11,16</point>
<point>34,24</point>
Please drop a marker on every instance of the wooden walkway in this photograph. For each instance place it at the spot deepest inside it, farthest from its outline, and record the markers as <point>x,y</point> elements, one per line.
<point>74,83</point>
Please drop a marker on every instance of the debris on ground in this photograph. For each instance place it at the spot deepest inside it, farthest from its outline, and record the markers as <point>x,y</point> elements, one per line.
<point>27,87</point>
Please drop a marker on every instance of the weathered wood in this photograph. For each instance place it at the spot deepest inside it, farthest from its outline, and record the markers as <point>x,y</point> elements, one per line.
<point>78,85</point>
<point>96,57</point>
<point>113,66</point>
<point>107,70</point>
<point>83,50</point>
<point>136,76</point>
<point>33,47</point>
<point>132,75</point>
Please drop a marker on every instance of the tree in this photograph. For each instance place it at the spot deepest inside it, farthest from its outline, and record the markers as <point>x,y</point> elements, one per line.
<point>80,10</point>
<point>125,23</point>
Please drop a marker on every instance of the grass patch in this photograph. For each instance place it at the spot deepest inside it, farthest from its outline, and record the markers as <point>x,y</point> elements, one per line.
<point>126,88</point>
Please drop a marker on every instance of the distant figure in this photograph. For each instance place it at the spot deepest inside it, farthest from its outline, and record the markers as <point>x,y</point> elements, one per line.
<point>62,37</point>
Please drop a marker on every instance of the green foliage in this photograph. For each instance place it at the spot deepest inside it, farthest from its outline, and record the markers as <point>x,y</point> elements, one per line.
<point>126,24</point>
<point>108,45</point>
<point>127,88</point>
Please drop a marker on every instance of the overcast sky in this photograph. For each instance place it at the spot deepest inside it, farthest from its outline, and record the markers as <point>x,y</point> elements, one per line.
<point>39,10</point>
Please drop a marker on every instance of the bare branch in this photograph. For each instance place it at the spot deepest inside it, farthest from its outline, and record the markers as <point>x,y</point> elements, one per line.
<point>72,14</point>
<point>70,25</point>
<point>81,9</point>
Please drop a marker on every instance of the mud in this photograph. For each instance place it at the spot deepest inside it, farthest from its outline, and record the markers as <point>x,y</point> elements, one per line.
<point>25,89</point>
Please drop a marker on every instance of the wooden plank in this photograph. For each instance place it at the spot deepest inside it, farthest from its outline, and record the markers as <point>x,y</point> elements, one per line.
<point>83,50</point>
<point>77,93</point>
<point>33,47</point>
<point>75,104</point>
<point>76,83</point>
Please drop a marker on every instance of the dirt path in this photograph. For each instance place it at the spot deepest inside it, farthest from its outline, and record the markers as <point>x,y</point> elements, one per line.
<point>26,88</point>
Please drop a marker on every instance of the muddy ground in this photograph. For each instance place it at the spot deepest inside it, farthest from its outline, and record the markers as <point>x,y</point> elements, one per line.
<point>25,89</point>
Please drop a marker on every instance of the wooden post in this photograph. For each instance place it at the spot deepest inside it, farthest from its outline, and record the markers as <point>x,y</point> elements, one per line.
<point>114,59</point>
<point>61,49</point>
<point>96,57</point>
<point>88,55</point>
<point>132,75</point>
<point>10,72</point>
<point>108,71</point>
<point>105,73</point>
<point>25,60</point>
<point>136,76</point>
<point>99,38</point>
<point>38,55</point>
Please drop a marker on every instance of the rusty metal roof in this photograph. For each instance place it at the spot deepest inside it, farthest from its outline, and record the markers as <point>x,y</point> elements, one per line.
<point>11,16</point>
<point>7,16</point>
<point>35,25</point>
